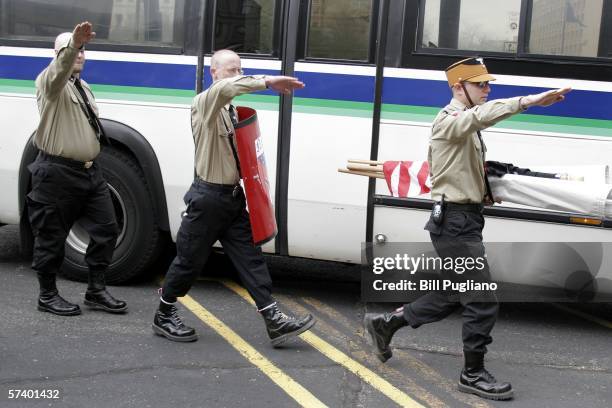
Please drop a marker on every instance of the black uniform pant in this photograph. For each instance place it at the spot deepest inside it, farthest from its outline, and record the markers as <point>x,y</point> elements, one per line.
<point>64,191</point>
<point>217,212</point>
<point>459,236</point>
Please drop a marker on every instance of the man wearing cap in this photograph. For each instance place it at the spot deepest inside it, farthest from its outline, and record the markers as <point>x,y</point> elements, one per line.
<point>460,189</point>
<point>216,206</point>
<point>67,182</point>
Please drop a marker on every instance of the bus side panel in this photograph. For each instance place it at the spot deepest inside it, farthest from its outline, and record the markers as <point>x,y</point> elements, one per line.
<point>170,137</point>
<point>503,236</point>
<point>331,122</point>
<point>327,209</point>
<point>15,132</point>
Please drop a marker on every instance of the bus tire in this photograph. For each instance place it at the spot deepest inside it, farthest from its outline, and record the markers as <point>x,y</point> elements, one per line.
<point>139,237</point>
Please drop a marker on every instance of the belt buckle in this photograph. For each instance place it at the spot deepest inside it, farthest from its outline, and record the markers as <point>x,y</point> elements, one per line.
<point>236,191</point>
<point>88,164</point>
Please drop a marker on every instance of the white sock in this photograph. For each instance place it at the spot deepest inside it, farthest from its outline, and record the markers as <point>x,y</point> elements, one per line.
<point>267,307</point>
<point>167,303</point>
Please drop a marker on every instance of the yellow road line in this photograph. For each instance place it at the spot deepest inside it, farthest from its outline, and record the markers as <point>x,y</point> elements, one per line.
<point>339,357</point>
<point>584,315</point>
<point>363,354</point>
<point>420,368</point>
<point>300,394</point>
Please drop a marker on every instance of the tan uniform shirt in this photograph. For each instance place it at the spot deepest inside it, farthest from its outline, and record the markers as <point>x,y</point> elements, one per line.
<point>64,129</point>
<point>213,130</point>
<point>455,157</point>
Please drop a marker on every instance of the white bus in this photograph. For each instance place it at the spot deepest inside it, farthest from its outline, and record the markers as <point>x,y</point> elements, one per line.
<point>374,81</point>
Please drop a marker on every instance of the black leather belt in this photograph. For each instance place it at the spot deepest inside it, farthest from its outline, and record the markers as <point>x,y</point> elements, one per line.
<point>474,208</point>
<point>75,164</point>
<point>232,189</point>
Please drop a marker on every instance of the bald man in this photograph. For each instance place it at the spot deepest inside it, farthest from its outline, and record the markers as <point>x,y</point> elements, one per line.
<point>216,207</point>
<point>67,181</point>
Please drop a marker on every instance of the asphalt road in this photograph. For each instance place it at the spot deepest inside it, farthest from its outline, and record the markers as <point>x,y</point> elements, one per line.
<point>554,356</point>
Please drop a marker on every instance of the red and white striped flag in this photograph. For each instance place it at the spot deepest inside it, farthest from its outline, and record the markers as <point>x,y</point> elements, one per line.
<point>407,178</point>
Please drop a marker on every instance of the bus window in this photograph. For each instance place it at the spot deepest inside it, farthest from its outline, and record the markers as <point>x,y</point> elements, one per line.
<point>567,27</point>
<point>339,29</point>
<point>245,26</point>
<point>471,25</point>
<point>146,22</point>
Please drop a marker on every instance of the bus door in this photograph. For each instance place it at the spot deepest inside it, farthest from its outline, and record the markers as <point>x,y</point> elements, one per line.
<point>331,122</point>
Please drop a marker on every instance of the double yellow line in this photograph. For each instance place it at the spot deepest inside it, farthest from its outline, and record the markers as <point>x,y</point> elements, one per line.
<point>301,395</point>
<point>296,391</point>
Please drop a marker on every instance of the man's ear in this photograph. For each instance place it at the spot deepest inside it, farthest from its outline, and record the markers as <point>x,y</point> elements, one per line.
<point>213,72</point>
<point>457,89</point>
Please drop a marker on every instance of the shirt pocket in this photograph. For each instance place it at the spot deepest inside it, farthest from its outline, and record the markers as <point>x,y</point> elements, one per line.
<point>74,98</point>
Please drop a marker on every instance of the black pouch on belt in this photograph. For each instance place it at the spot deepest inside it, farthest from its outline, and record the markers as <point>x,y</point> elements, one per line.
<point>437,212</point>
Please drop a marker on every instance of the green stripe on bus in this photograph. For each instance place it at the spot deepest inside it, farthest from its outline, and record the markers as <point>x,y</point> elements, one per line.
<point>560,120</point>
<point>125,93</point>
<point>423,114</point>
<point>258,102</point>
<point>316,106</point>
<point>333,107</point>
<point>139,90</point>
<point>17,86</point>
<point>143,94</point>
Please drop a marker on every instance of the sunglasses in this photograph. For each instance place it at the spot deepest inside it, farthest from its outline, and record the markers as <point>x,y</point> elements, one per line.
<point>482,85</point>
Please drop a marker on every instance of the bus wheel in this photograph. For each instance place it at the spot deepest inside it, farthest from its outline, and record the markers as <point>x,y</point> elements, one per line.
<point>139,237</point>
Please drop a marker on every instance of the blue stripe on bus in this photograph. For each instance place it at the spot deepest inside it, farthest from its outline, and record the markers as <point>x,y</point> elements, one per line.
<point>145,74</point>
<point>355,88</point>
<point>420,92</point>
<point>247,71</point>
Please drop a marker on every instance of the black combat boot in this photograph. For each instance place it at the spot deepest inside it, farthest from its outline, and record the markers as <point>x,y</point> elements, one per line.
<point>475,379</point>
<point>50,300</point>
<point>168,324</point>
<point>97,297</point>
<point>281,327</point>
<point>382,327</point>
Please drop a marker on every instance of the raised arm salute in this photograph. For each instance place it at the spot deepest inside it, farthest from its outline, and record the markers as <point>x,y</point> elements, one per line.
<point>67,181</point>
<point>216,208</point>
<point>456,157</point>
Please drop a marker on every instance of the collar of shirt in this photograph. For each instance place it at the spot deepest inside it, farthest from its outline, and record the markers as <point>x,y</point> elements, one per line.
<point>457,104</point>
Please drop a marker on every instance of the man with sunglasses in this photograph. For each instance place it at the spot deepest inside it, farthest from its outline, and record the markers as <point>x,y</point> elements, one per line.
<point>67,181</point>
<point>460,190</point>
<point>216,206</point>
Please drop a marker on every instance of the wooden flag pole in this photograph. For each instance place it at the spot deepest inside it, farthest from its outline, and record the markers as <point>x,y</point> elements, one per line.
<point>363,173</point>
<point>359,161</point>
<point>364,167</point>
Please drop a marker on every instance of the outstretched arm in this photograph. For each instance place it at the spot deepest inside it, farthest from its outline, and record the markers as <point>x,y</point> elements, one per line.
<point>545,98</point>
<point>223,91</point>
<point>480,117</point>
<point>283,84</point>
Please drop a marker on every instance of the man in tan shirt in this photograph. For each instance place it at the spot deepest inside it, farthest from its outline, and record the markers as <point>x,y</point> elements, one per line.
<point>216,207</point>
<point>67,182</point>
<point>456,159</point>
